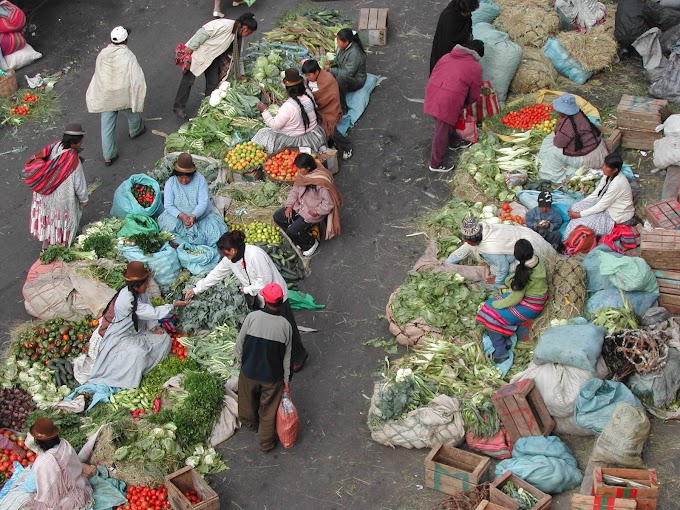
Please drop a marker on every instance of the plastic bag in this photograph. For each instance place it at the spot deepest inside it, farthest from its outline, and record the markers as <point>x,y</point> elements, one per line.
<point>668,86</point>
<point>628,273</point>
<point>623,438</point>
<point>138,224</point>
<point>591,263</point>
<point>287,421</point>
<point>164,264</point>
<point>466,127</point>
<point>671,126</point>
<point>662,385</point>
<point>667,151</point>
<point>565,63</point>
<point>202,260</point>
<point>649,48</point>
<point>596,402</point>
<point>496,446</point>
<point>501,58</point>
<point>486,12</point>
<point>578,346</point>
<point>612,298</point>
<point>303,301</point>
<point>544,462</point>
<point>125,203</point>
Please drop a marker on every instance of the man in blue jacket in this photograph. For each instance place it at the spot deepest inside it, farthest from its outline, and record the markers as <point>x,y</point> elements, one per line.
<point>546,220</point>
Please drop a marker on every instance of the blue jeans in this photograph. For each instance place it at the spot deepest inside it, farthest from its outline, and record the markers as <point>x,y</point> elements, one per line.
<point>500,344</point>
<point>135,125</point>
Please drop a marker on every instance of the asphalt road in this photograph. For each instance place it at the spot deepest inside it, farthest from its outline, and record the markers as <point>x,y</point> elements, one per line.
<point>335,463</point>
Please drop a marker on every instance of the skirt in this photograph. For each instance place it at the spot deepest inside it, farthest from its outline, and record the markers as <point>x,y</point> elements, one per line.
<point>601,223</point>
<point>595,158</point>
<point>274,141</point>
<point>55,217</point>
<point>506,320</point>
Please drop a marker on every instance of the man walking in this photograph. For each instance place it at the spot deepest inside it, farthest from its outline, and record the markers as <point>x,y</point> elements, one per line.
<point>263,350</point>
<point>118,85</point>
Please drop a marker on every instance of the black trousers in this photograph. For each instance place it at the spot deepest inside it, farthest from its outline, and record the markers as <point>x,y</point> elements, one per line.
<point>347,84</point>
<point>299,231</point>
<point>298,353</point>
<point>212,79</point>
<point>341,142</point>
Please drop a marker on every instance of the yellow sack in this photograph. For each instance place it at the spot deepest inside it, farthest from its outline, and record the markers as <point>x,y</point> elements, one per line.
<point>548,96</point>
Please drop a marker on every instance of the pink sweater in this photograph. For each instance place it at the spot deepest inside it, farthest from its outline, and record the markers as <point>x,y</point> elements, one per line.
<point>289,119</point>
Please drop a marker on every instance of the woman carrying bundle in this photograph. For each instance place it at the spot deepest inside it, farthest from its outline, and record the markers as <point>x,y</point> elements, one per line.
<point>501,315</point>
<point>296,123</point>
<point>349,67</point>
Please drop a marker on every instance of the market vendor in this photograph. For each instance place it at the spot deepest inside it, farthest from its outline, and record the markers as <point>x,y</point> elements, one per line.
<point>133,342</point>
<point>453,27</point>
<point>576,135</point>
<point>611,203</point>
<point>501,315</point>
<point>213,50</point>
<point>60,477</point>
<point>324,87</point>
<point>296,124</point>
<point>254,269</point>
<point>314,197</point>
<point>188,214</point>
<point>494,243</point>
<point>349,66</point>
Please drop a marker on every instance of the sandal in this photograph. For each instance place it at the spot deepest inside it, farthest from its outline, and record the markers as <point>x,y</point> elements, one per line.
<point>218,14</point>
<point>109,162</point>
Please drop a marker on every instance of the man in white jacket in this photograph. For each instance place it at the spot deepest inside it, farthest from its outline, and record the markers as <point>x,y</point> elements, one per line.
<point>118,85</point>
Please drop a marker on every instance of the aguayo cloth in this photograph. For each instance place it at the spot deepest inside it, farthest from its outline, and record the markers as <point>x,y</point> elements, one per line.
<point>46,172</point>
<point>506,320</point>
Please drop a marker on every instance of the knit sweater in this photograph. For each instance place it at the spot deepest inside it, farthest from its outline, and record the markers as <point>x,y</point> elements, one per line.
<point>537,287</point>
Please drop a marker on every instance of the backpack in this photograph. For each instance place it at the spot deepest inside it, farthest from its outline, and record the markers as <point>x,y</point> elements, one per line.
<point>581,240</point>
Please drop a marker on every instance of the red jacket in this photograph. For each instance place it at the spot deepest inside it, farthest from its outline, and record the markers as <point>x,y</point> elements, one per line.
<point>455,82</point>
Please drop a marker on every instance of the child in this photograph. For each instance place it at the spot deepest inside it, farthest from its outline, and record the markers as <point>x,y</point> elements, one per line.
<point>545,220</point>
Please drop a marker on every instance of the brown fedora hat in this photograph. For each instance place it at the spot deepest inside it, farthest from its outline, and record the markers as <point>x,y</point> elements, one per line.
<point>185,163</point>
<point>136,272</point>
<point>74,129</point>
<point>44,429</point>
<point>292,77</point>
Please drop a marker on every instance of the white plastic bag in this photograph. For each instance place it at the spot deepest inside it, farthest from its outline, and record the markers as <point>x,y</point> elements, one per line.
<point>667,151</point>
<point>671,127</point>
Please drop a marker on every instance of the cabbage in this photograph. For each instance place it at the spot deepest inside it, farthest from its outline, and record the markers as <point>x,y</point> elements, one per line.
<point>260,76</point>
<point>261,62</point>
<point>274,58</point>
<point>272,71</point>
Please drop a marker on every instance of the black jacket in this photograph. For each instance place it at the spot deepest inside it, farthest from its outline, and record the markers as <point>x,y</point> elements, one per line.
<point>452,29</point>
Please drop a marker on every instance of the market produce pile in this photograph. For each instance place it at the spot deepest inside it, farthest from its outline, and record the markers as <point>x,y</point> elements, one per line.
<point>281,166</point>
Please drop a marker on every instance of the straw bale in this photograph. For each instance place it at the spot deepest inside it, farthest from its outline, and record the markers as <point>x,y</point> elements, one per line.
<point>528,23</point>
<point>535,72</point>
<point>595,50</point>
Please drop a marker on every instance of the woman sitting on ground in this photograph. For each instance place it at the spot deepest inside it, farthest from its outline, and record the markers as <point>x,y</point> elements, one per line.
<point>314,197</point>
<point>188,213</point>
<point>296,123</point>
<point>349,67</point>
<point>611,203</point>
<point>133,342</point>
<point>502,315</point>
<point>60,478</point>
<point>576,135</point>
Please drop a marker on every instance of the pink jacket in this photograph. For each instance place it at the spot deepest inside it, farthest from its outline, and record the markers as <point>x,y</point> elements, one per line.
<point>313,203</point>
<point>289,118</point>
<point>455,82</point>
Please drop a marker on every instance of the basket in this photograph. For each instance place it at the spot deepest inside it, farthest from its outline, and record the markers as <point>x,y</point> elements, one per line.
<point>281,181</point>
<point>8,84</point>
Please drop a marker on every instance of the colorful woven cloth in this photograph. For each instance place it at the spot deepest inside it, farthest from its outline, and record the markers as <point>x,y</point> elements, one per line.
<point>11,42</point>
<point>44,175</point>
<point>506,320</point>
<point>183,57</point>
<point>12,19</point>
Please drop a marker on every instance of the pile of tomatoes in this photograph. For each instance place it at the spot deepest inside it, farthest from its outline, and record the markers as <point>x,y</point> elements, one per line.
<point>528,116</point>
<point>31,98</point>
<point>506,215</point>
<point>20,110</point>
<point>8,457</point>
<point>144,194</point>
<point>281,167</point>
<point>192,496</point>
<point>143,498</point>
<point>55,339</point>
<point>178,349</point>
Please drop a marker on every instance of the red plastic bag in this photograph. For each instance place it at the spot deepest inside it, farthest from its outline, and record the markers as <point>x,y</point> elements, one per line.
<point>466,128</point>
<point>486,105</point>
<point>287,421</point>
<point>497,446</point>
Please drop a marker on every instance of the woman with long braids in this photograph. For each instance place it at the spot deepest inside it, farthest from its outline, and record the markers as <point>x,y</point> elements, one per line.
<point>501,315</point>
<point>349,67</point>
<point>576,135</point>
<point>133,342</point>
<point>297,122</point>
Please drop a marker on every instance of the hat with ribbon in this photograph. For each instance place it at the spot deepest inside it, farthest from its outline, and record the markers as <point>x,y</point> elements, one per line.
<point>185,164</point>
<point>74,129</point>
<point>272,293</point>
<point>136,272</point>
<point>470,227</point>
<point>44,429</point>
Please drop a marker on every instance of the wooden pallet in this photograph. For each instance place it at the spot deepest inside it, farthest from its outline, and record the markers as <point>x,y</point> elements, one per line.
<point>451,470</point>
<point>496,495</point>
<point>637,118</point>
<point>373,26</point>
<point>522,410</point>
<point>661,248</point>
<point>644,497</point>
<point>669,290</point>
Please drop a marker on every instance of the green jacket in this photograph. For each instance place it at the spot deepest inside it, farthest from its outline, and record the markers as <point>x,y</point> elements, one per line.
<point>537,286</point>
<point>350,62</point>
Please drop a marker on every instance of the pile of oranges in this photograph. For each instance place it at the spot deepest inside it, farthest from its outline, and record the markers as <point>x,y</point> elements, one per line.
<point>245,156</point>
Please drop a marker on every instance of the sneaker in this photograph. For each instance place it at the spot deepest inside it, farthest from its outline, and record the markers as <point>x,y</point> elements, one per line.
<point>441,168</point>
<point>310,252</point>
<point>463,144</point>
<point>218,14</point>
<point>347,154</point>
<point>237,3</point>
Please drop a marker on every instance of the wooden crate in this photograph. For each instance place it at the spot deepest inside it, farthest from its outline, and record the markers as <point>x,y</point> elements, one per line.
<point>487,505</point>
<point>637,118</point>
<point>645,498</point>
<point>373,26</point>
<point>496,495</point>
<point>665,214</point>
<point>613,140</point>
<point>661,248</point>
<point>581,502</point>
<point>451,470</point>
<point>187,479</point>
<point>669,289</point>
<point>522,410</point>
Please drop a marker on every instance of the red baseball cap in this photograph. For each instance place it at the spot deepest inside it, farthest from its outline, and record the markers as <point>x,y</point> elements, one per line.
<point>272,293</point>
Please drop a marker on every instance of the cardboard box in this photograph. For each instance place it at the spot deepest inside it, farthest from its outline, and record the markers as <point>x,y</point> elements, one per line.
<point>522,410</point>
<point>373,26</point>
<point>187,479</point>
<point>661,249</point>
<point>496,495</point>
<point>329,158</point>
<point>644,497</point>
<point>451,470</point>
<point>581,502</point>
<point>487,505</point>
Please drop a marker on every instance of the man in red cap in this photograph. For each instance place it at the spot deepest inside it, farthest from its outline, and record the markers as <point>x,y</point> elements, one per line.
<point>263,350</point>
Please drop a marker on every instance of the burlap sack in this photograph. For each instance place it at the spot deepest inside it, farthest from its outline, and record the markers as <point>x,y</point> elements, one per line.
<point>411,333</point>
<point>430,262</point>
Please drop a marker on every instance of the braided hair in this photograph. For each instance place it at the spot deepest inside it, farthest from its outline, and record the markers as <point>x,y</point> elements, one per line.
<point>294,92</point>
<point>133,287</point>
<point>523,252</point>
<point>578,142</point>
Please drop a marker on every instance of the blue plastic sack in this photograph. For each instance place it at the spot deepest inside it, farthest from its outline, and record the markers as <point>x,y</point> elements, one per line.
<point>591,263</point>
<point>576,345</point>
<point>295,51</point>
<point>564,63</point>
<point>357,102</point>
<point>125,203</point>
<point>529,198</point>
<point>544,462</point>
<point>486,12</point>
<point>501,58</point>
<point>164,264</point>
<point>611,298</point>
<point>198,263</point>
<point>596,402</point>
<point>628,273</point>
<point>18,469</point>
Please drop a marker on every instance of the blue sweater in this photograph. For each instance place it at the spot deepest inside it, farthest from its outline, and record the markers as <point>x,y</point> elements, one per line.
<point>535,216</point>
